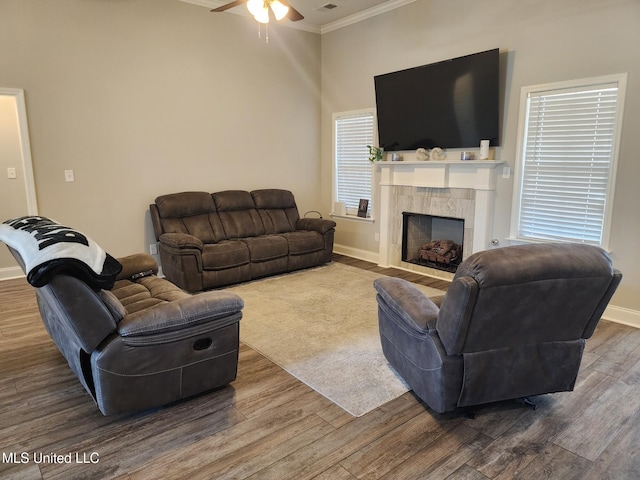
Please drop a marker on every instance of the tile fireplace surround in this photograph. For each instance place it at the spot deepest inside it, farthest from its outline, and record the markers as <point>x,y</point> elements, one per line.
<point>459,189</point>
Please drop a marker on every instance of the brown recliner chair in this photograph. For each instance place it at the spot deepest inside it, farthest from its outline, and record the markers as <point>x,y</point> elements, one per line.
<point>513,324</point>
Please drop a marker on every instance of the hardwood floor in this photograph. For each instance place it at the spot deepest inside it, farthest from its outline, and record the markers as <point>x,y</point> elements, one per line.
<point>268,425</point>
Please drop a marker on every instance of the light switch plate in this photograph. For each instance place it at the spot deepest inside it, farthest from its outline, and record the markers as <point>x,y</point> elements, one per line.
<point>11,173</point>
<point>68,176</point>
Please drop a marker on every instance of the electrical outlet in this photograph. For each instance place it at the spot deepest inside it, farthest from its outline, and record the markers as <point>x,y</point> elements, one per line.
<point>153,249</point>
<point>506,172</point>
<point>68,176</point>
<point>11,173</point>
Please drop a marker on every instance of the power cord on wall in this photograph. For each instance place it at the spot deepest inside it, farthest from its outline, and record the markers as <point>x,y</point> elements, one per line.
<point>313,211</point>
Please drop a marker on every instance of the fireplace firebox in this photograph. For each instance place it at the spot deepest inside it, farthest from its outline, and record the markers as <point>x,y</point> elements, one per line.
<point>432,241</point>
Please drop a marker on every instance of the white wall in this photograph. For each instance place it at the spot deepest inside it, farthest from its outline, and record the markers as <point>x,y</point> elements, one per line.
<point>146,97</point>
<point>540,41</point>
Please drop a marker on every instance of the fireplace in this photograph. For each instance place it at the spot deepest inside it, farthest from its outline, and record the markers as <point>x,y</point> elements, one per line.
<point>432,241</point>
<point>448,188</point>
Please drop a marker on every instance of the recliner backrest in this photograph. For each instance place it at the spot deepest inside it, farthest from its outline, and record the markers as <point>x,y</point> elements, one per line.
<point>193,213</point>
<point>277,209</point>
<point>77,310</point>
<point>238,214</point>
<point>525,295</point>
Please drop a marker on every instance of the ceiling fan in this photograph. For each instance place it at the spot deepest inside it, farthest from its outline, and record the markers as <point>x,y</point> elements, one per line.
<point>260,9</point>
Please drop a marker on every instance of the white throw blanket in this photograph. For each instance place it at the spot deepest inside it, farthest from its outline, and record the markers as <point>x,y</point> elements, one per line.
<point>48,248</point>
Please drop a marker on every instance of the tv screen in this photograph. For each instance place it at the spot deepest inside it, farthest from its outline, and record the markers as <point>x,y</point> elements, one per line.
<point>449,104</point>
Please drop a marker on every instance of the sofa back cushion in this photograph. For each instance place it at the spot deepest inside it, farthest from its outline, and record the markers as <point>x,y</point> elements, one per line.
<point>277,210</point>
<point>238,214</point>
<point>193,213</point>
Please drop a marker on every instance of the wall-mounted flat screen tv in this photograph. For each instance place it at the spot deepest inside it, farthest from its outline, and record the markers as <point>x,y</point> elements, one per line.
<point>449,104</point>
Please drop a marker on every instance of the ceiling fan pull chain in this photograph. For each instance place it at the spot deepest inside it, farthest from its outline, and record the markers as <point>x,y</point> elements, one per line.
<point>266,32</point>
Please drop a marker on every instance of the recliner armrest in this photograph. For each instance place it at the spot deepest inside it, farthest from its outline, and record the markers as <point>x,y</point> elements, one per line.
<point>137,264</point>
<point>318,224</point>
<point>408,303</point>
<point>181,240</point>
<point>172,320</point>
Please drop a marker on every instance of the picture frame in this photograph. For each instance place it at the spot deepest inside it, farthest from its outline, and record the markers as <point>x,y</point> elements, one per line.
<point>363,207</point>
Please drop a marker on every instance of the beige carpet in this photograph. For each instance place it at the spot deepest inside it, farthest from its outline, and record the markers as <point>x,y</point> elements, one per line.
<point>321,325</point>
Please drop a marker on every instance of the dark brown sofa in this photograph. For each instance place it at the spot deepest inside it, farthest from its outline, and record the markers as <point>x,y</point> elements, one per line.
<point>209,240</point>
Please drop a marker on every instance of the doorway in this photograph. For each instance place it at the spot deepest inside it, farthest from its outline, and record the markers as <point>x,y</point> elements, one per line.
<point>17,185</point>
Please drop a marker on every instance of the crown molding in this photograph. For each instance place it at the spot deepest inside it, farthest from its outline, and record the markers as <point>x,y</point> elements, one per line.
<point>329,27</point>
<point>364,15</point>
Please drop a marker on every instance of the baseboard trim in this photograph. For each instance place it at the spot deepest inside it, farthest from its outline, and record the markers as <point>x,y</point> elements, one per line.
<point>622,315</point>
<point>9,273</point>
<point>356,253</point>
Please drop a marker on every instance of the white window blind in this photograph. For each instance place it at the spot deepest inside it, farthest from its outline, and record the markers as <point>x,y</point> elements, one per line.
<point>353,171</point>
<point>568,159</point>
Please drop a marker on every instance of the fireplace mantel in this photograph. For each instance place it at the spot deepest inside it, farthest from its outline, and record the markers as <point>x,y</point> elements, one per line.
<point>474,174</point>
<point>477,175</point>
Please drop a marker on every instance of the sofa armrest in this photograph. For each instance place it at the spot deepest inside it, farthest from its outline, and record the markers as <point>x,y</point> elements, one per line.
<point>138,263</point>
<point>407,303</point>
<point>166,321</point>
<point>181,240</point>
<point>318,224</point>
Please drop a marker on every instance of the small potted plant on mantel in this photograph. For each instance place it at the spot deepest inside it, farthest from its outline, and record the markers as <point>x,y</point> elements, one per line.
<point>375,153</point>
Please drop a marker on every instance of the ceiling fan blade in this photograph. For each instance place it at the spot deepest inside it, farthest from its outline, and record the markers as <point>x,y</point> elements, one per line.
<point>293,15</point>
<point>229,5</point>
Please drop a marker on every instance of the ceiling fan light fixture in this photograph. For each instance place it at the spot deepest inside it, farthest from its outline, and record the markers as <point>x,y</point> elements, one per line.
<point>259,9</point>
<point>280,10</point>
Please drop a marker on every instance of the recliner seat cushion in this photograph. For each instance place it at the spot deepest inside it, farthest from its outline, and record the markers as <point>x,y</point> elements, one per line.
<point>147,292</point>
<point>304,241</point>
<point>226,254</point>
<point>266,247</point>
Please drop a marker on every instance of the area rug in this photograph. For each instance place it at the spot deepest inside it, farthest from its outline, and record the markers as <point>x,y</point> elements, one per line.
<point>321,325</point>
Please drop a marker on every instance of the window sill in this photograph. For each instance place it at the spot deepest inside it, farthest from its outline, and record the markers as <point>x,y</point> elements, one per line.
<point>353,217</point>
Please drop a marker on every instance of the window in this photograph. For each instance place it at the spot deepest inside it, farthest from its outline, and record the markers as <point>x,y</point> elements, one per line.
<point>568,146</point>
<point>353,131</point>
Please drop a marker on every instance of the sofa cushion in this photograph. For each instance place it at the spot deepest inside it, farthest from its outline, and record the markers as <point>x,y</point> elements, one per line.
<point>304,241</point>
<point>184,204</point>
<point>225,254</point>
<point>193,213</point>
<point>266,247</point>
<point>238,214</point>
<point>145,293</point>
<point>277,209</point>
